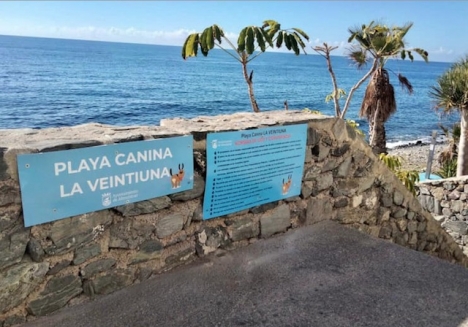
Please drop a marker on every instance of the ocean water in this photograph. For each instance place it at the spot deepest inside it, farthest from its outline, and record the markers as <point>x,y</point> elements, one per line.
<point>55,82</point>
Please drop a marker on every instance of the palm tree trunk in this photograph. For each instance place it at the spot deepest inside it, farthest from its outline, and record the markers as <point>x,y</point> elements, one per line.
<point>462,161</point>
<point>377,135</point>
<point>248,80</point>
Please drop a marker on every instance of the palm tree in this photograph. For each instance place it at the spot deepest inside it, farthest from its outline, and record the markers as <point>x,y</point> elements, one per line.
<point>450,94</point>
<point>378,43</point>
<point>266,36</point>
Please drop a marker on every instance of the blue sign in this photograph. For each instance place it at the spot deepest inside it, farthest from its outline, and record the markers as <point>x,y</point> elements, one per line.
<point>252,167</point>
<point>61,184</point>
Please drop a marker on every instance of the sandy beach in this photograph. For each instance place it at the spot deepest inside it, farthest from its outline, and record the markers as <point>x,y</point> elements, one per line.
<point>415,156</point>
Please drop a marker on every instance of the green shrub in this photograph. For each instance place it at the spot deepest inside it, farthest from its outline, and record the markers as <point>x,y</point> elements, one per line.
<point>409,178</point>
<point>448,169</point>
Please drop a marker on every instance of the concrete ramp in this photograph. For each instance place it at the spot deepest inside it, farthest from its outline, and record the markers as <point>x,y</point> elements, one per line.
<point>321,275</point>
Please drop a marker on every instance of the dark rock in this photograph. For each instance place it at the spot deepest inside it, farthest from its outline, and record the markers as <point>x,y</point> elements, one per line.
<point>400,238</point>
<point>341,202</point>
<point>313,137</point>
<point>321,152</point>
<point>131,138</point>
<point>306,189</point>
<point>386,200</point>
<point>312,173</point>
<point>318,209</point>
<point>180,257</point>
<point>327,140</point>
<point>200,162</point>
<point>264,207</point>
<point>198,213</point>
<point>169,225</point>
<point>144,207</point>
<point>346,187</point>
<point>129,234</point>
<point>276,221</point>
<point>420,217</point>
<point>149,250</point>
<point>59,267</point>
<point>88,288</point>
<point>339,130</point>
<point>399,212</point>
<point>385,232</point>
<point>9,195</point>
<point>111,281</point>
<point>17,282</point>
<point>365,183</point>
<point>421,245</point>
<point>340,151</point>
<point>56,294</point>
<point>243,229</point>
<point>234,215</point>
<point>398,198</point>
<point>13,247</point>
<point>9,218</point>
<point>331,164</point>
<point>449,186</point>
<point>86,252</point>
<point>412,226</point>
<point>35,250</point>
<point>3,165</point>
<point>14,320</point>
<point>324,181</point>
<point>421,226</point>
<point>144,273</point>
<point>97,267</point>
<point>71,233</point>
<point>70,145</point>
<point>292,199</point>
<point>195,192</point>
<point>211,238</point>
<point>344,168</point>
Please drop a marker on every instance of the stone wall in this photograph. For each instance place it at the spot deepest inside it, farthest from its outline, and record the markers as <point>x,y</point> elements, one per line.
<point>45,267</point>
<point>447,201</point>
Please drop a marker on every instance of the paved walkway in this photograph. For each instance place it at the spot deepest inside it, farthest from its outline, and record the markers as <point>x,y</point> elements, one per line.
<point>323,275</point>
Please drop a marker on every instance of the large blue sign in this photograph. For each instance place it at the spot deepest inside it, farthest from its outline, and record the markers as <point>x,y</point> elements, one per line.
<point>252,167</point>
<point>61,184</point>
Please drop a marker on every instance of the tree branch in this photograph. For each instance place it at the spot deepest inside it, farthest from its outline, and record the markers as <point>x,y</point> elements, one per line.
<point>356,86</point>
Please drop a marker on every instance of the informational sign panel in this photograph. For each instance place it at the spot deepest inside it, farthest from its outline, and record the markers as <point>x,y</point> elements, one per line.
<point>252,167</point>
<point>61,184</point>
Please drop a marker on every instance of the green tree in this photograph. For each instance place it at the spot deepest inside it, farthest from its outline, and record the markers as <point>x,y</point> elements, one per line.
<point>252,42</point>
<point>325,51</point>
<point>375,43</point>
<point>378,43</point>
<point>451,94</point>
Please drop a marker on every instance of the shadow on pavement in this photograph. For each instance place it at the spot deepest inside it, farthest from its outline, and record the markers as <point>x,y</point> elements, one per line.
<point>321,275</point>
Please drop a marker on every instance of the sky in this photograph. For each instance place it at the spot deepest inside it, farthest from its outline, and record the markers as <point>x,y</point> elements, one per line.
<point>439,26</point>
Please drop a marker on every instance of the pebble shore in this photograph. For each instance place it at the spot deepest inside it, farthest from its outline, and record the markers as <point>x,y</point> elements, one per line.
<point>415,156</point>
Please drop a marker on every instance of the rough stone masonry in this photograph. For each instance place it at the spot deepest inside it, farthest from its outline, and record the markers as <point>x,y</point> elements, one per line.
<point>46,267</point>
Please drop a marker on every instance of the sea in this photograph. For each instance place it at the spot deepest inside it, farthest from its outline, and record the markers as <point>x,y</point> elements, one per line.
<point>48,82</point>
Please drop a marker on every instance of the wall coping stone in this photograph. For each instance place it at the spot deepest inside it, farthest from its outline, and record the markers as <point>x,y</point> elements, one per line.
<point>37,139</point>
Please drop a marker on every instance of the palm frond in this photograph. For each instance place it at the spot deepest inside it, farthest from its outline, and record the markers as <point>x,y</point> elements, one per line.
<point>358,56</point>
<point>405,83</point>
<point>451,91</point>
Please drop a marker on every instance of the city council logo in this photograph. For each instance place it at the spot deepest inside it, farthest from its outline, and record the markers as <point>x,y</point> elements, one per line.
<point>106,199</point>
